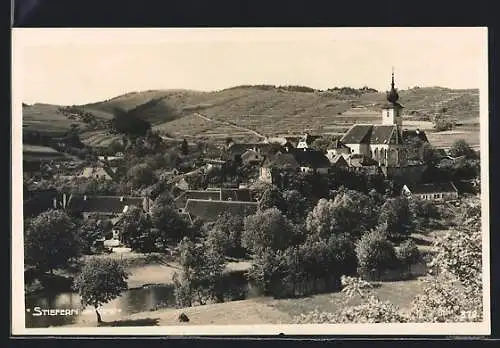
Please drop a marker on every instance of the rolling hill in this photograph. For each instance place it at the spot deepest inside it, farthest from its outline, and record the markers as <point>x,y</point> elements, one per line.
<point>255,111</point>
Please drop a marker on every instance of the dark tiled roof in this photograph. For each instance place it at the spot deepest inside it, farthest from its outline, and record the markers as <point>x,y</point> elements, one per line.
<point>296,158</point>
<point>103,204</point>
<point>381,134</point>
<point>357,134</point>
<point>38,201</point>
<point>434,187</point>
<point>210,210</point>
<point>282,161</point>
<point>310,158</point>
<point>181,200</point>
<point>242,195</point>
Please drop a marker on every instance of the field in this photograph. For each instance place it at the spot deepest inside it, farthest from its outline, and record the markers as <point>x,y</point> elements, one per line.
<point>253,111</point>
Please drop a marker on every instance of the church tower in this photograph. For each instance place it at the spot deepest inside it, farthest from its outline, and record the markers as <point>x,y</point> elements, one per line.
<point>391,111</point>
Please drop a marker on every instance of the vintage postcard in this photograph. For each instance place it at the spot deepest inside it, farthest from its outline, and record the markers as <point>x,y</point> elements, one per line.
<point>250,181</point>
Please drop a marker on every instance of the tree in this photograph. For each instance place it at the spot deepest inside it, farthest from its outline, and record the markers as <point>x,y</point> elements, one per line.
<point>127,123</point>
<point>324,143</point>
<point>375,253</point>
<point>172,227</point>
<point>51,240</point>
<point>272,198</point>
<point>267,229</point>
<point>90,230</point>
<point>408,254</point>
<point>349,212</point>
<point>100,281</point>
<point>226,233</point>
<point>442,123</point>
<point>184,147</point>
<point>461,148</point>
<point>397,217</point>
<point>136,230</point>
<point>140,176</point>
<point>201,277</point>
<point>295,205</point>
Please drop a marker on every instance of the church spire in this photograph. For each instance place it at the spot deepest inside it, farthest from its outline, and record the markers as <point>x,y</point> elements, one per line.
<point>392,95</point>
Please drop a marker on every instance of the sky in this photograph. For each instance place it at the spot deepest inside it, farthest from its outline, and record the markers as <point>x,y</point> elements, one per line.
<point>77,66</point>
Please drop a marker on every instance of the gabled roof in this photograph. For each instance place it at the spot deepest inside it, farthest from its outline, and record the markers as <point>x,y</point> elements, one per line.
<point>339,160</point>
<point>381,134</point>
<point>180,201</point>
<point>211,210</point>
<point>358,134</point>
<point>310,158</point>
<point>295,158</point>
<point>282,160</point>
<point>103,204</point>
<point>433,188</point>
<point>242,195</point>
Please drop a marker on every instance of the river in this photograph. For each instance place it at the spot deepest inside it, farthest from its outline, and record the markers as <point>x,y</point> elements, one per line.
<point>132,301</point>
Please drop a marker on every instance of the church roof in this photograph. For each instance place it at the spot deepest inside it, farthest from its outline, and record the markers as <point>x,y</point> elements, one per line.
<point>380,134</point>
<point>358,134</point>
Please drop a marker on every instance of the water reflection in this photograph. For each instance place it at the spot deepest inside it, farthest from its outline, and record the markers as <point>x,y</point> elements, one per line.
<point>131,301</point>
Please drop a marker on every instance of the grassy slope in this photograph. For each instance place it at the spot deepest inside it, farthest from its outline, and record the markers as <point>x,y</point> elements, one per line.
<point>269,111</point>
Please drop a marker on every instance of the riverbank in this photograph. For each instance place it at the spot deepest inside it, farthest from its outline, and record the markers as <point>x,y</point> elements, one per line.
<point>143,270</point>
<point>255,311</point>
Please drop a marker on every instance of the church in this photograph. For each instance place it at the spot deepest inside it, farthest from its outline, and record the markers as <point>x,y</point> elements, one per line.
<point>387,143</point>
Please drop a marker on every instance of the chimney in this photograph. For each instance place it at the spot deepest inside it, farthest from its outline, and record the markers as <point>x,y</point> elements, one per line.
<point>85,197</point>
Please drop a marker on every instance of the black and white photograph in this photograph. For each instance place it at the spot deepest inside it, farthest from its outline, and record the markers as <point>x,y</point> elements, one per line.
<point>250,181</point>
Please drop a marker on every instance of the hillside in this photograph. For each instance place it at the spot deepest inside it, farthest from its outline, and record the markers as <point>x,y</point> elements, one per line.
<point>246,111</point>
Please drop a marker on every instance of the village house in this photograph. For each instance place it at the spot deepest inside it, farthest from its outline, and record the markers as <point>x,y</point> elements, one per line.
<point>337,148</point>
<point>445,191</point>
<point>295,160</point>
<point>234,151</point>
<point>210,210</point>
<point>110,207</point>
<point>252,157</point>
<point>209,204</point>
<point>306,141</point>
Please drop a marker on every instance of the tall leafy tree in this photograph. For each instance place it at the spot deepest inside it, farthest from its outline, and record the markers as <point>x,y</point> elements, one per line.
<point>51,240</point>
<point>267,229</point>
<point>375,254</point>
<point>100,281</point>
<point>397,217</point>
